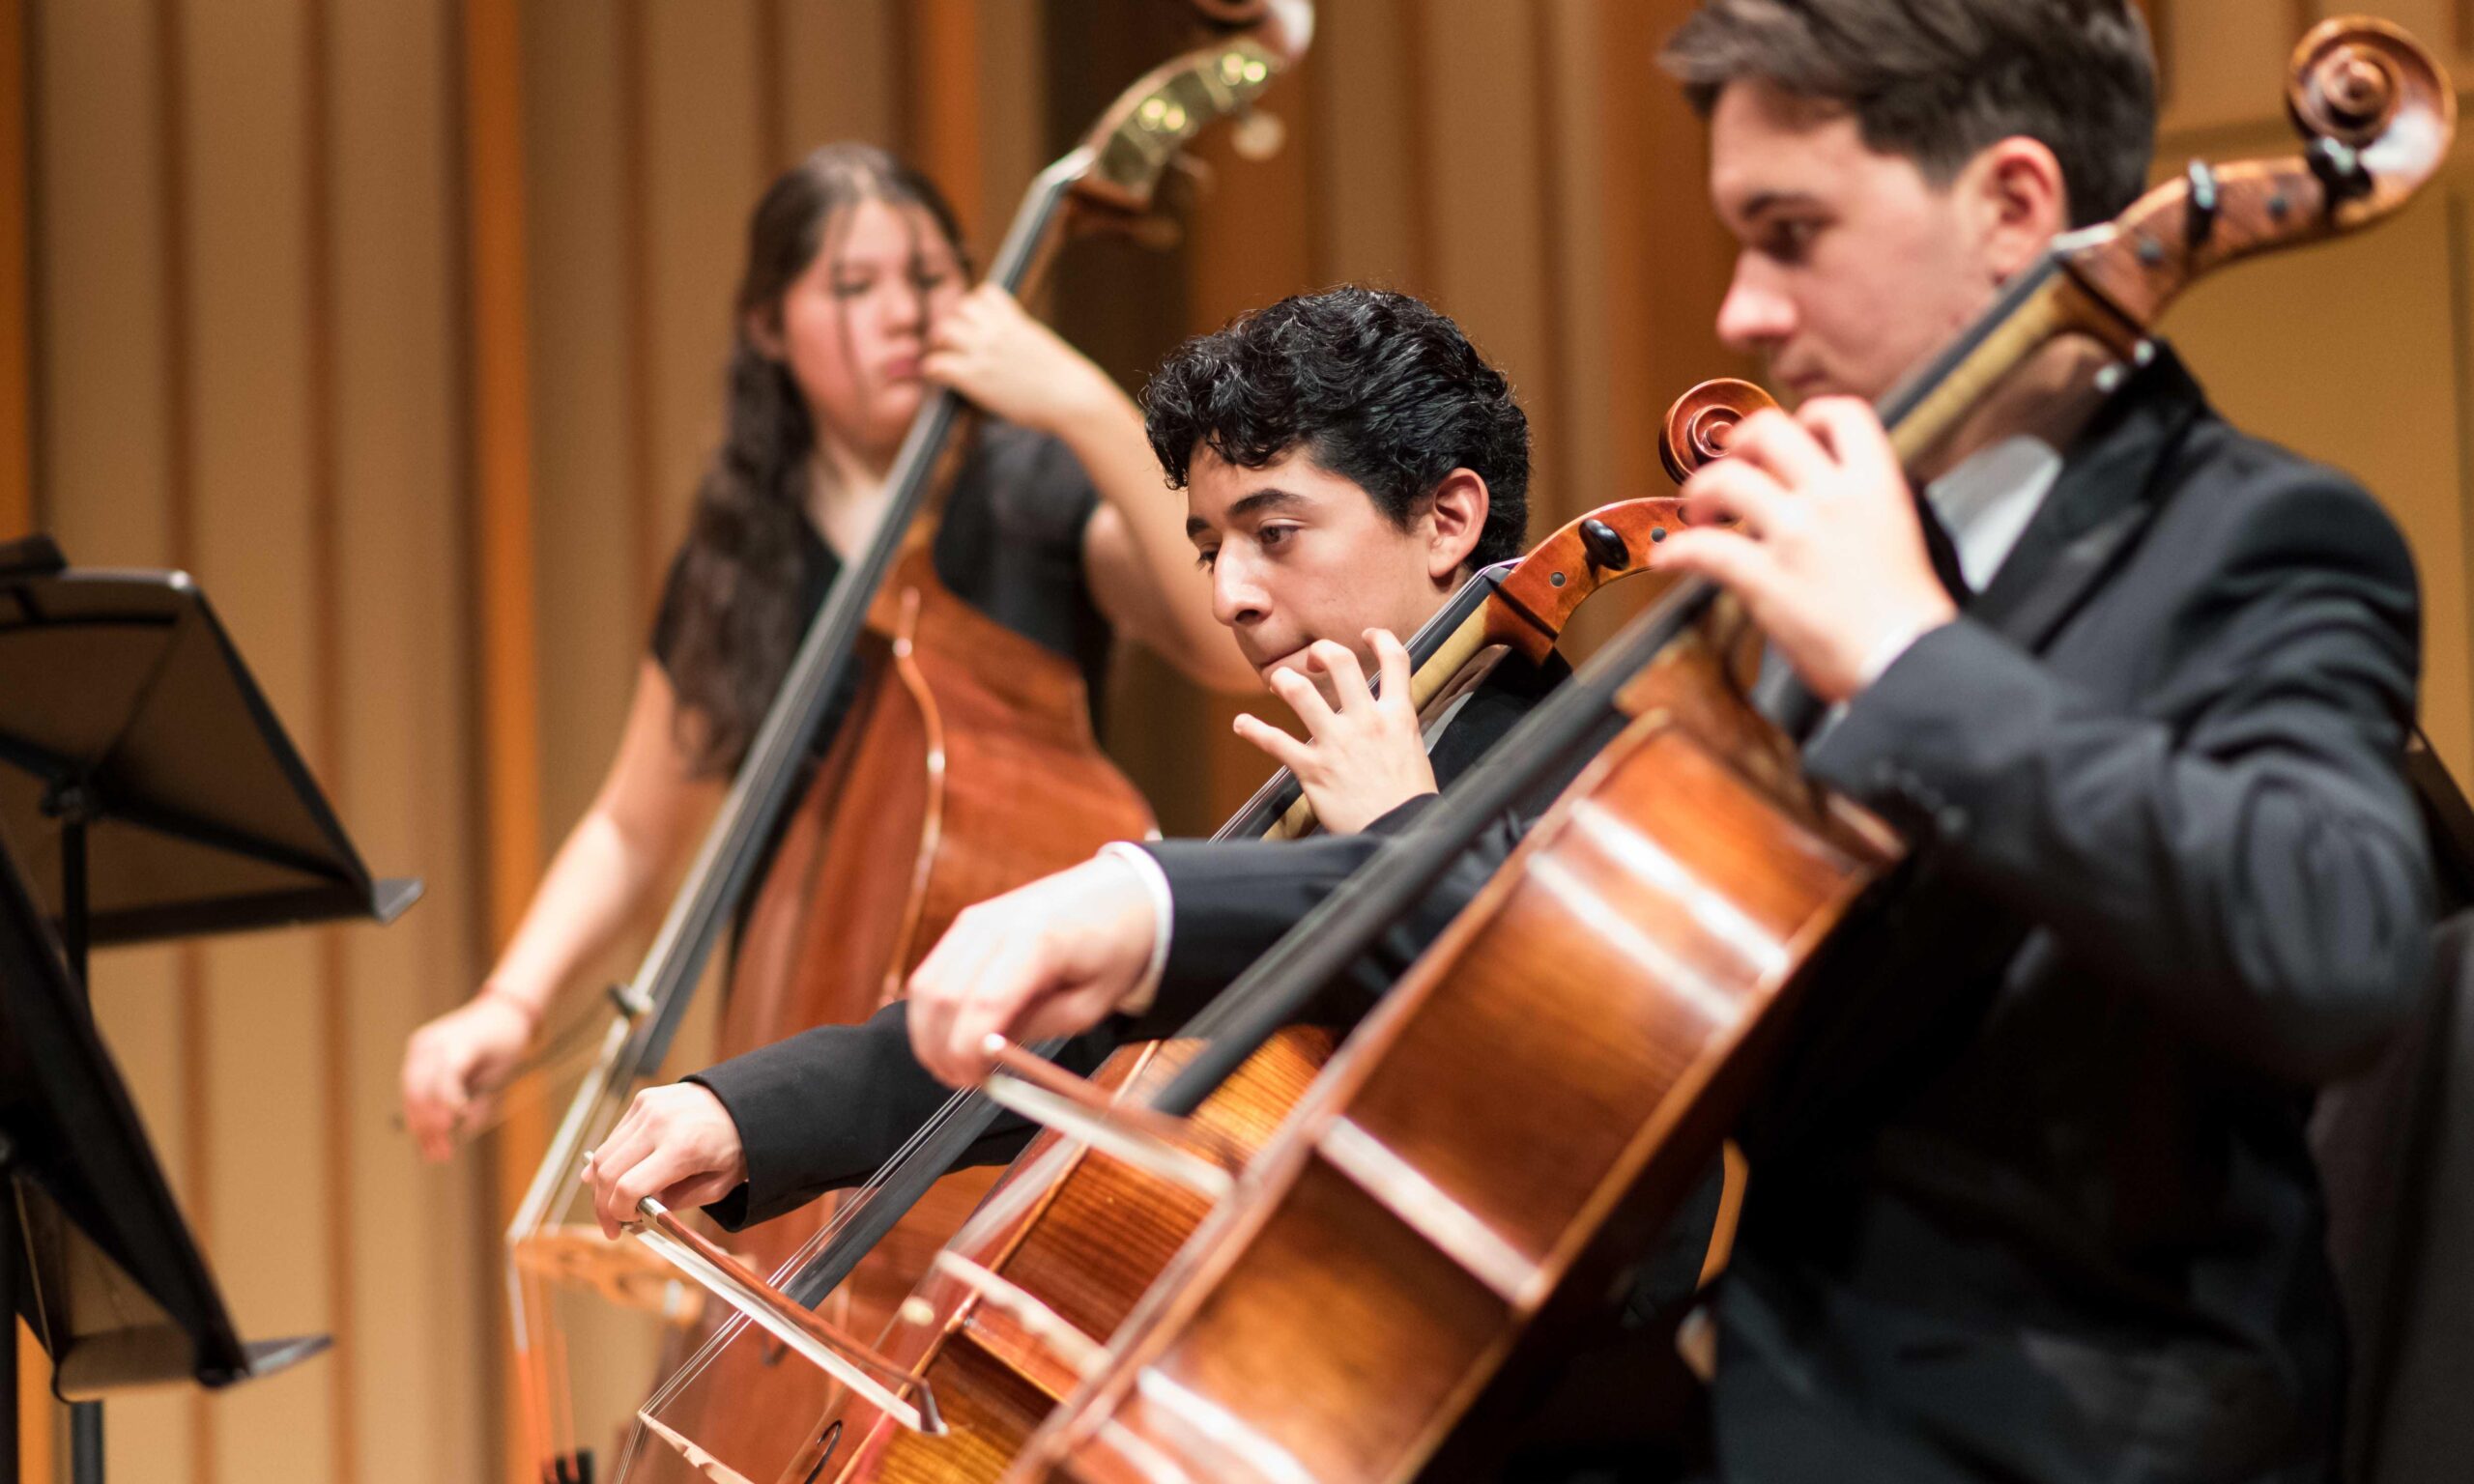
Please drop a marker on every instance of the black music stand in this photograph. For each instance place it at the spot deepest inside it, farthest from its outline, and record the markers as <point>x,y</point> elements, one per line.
<point>93,1251</point>
<point>143,778</point>
<point>151,794</point>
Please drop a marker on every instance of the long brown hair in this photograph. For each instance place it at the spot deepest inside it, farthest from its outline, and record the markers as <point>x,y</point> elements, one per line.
<point>736,620</point>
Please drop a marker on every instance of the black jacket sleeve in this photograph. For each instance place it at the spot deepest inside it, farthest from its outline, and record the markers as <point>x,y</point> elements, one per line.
<point>2243,849</point>
<point>1235,899</point>
<point>828,1107</point>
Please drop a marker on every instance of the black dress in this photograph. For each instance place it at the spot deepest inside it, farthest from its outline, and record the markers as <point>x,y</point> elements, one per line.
<point>1010,545</point>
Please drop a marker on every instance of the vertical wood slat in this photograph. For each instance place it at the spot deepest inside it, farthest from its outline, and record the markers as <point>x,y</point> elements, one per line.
<point>244,158</point>
<point>419,1387</point>
<point>180,529</point>
<point>635,310</point>
<point>773,88</point>
<point>2461,255</point>
<point>328,747</point>
<point>942,49</point>
<point>1422,265</point>
<point>34,1405</point>
<point>499,424</point>
<point>1559,433</point>
<point>2160,39</point>
<point>33,1400</point>
<point>502,447</point>
<point>17,505</point>
<point>17,516</point>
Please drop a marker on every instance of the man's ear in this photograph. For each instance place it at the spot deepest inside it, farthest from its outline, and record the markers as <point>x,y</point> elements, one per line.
<point>1458,518</point>
<point>2019,202</point>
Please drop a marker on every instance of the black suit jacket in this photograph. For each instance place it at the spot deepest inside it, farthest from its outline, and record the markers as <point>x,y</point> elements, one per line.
<point>828,1107</point>
<point>2032,1200</point>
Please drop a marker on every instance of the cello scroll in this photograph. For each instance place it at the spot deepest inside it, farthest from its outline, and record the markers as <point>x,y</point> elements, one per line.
<point>2376,115</point>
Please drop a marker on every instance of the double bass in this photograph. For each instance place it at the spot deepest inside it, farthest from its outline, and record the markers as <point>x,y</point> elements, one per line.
<point>1084,1219</point>
<point>1451,1202</point>
<point>965,765</point>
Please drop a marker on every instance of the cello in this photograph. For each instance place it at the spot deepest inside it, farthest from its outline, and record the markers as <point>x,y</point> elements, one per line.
<point>1081,1222</point>
<point>1449,1204</point>
<point>965,764</point>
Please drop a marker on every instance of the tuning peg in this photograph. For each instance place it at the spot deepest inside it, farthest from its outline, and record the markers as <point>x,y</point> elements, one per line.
<point>2198,220</point>
<point>2340,169</point>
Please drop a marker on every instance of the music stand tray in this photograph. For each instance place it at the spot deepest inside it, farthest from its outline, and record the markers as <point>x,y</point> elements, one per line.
<point>144,778</point>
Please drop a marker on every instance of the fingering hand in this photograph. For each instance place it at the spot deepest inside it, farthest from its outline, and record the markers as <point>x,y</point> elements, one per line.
<point>1828,554</point>
<point>990,349</point>
<point>1364,755</point>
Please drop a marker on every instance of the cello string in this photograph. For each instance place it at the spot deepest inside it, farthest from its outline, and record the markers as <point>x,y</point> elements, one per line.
<point>694,1368</point>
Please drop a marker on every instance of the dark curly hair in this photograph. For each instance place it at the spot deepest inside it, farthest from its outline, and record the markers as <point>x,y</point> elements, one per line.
<point>737,619</point>
<point>1935,81</point>
<point>1377,387</point>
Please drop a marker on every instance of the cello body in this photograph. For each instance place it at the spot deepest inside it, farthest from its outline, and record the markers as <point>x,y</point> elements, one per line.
<point>1024,1302</point>
<point>1455,1197</point>
<point>1006,1317</point>
<point>966,766</point>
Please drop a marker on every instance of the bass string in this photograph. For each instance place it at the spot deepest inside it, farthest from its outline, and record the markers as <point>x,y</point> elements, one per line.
<point>694,1366</point>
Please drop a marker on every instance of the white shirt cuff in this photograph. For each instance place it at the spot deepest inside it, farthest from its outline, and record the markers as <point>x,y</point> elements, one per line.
<point>1889,652</point>
<point>1163,906</point>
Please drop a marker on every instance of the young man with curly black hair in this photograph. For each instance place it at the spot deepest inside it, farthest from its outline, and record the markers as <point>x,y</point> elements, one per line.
<point>1349,461</point>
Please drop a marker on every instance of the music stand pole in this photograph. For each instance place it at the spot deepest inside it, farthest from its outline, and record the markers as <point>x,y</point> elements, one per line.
<point>72,805</point>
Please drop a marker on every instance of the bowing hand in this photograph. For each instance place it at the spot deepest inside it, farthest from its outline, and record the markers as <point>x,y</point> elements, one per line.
<point>1049,959</point>
<point>1827,555</point>
<point>1364,755</point>
<point>450,1062</point>
<point>676,1143</point>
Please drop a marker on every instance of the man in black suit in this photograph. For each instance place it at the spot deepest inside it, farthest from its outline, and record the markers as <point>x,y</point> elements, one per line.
<point>1349,460</point>
<point>2032,1200</point>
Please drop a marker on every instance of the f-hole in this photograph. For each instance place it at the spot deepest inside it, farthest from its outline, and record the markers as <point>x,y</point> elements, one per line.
<point>824,1443</point>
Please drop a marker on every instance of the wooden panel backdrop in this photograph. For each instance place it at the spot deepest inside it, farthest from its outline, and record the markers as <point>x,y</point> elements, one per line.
<point>401,324</point>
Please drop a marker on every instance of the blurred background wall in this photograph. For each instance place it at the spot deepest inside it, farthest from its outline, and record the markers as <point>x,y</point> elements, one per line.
<point>399,323</point>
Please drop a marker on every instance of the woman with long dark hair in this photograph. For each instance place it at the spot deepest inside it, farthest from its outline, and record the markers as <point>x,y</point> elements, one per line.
<point>854,303</point>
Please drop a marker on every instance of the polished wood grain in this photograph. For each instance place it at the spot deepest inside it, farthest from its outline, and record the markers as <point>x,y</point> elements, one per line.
<point>1086,1236</point>
<point>1522,1110</point>
<point>965,767</point>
